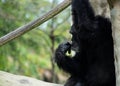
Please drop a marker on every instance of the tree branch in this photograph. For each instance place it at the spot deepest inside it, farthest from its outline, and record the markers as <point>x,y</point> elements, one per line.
<point>31,25</point>
<point>115,19</point>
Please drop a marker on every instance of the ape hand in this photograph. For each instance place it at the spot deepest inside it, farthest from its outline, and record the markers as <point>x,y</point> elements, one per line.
<point>64,47</point>
<point>60,54</point>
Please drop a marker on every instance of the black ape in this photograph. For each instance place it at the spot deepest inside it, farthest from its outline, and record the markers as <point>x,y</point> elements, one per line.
<point>93,64</point>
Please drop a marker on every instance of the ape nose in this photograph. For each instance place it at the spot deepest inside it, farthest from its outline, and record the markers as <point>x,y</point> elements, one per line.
<point>71,29</point>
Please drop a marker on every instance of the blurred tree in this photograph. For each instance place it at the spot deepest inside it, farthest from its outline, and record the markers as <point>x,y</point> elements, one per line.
<point>52,25</point>
<point>22,55</point>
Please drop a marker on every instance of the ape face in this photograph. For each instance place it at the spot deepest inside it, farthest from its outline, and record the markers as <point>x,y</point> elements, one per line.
<point>74,39</point>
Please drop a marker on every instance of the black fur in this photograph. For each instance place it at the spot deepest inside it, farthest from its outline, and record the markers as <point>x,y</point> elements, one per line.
<point>93,64</point>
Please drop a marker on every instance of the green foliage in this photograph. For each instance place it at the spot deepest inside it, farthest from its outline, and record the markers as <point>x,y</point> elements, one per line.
<point>32,51</point>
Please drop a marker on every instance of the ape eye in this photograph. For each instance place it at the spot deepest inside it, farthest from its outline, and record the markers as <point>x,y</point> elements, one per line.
<point>76,27</point>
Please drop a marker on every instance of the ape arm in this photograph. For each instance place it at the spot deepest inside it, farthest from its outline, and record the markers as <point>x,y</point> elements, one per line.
<point>82,9</point>
<point>64,62</point>
<point>82,13</point>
